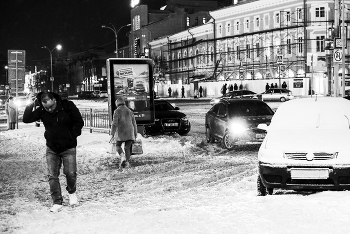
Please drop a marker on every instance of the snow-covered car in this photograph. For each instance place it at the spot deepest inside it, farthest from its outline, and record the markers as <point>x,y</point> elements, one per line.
<point>234,94</point>
<point>277,94</point>
<point>103,94</point>
<point>306,146</point>
<point>234,122</point>
<point>167,119</point>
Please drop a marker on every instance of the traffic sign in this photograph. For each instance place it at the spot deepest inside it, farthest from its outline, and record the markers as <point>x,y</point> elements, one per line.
<point>241,75</point>
<point>337,56</point>
<point>51,78</point>
<point>338,43</point>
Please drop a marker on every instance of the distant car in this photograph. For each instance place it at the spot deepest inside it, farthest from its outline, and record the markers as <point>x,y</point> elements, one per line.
<point>277,94</point>
<point>103,94</point>
<point>306,146</point>
<point>234,94</point>
<point>64,95</point>
<point>347,92</point>
<point>22,101</point>
<point>86,95</point>
<point>234,122</point>
<point>167,119</point>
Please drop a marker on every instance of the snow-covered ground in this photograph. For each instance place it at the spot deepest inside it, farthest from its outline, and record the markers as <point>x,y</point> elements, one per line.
<point>179,185</point>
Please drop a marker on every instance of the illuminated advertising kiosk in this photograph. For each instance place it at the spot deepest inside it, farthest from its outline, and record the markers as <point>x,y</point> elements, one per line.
<point>133,79</point>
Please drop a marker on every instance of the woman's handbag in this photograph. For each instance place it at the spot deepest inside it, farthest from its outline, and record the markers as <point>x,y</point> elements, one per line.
<point>136,147</point>
<point>113,148</point>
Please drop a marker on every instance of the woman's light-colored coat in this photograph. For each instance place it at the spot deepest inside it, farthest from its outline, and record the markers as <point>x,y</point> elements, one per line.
<point>124,125</point>
<point>10,109</point>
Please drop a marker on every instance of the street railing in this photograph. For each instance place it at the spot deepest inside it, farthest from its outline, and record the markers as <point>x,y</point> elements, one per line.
<point>95,119</point>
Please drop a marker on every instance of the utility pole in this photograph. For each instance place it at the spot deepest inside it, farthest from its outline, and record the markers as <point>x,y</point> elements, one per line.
<point>336,34</point>
<point>343,41</point>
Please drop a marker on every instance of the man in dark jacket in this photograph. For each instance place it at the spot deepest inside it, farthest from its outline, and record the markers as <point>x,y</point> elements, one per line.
<point>63,124</point>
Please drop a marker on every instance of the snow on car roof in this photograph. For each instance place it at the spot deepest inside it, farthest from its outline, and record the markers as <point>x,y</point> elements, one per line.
<point>320,112</point>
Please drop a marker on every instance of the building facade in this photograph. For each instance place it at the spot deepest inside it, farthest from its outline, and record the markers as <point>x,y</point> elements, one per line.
<point>259,42</point>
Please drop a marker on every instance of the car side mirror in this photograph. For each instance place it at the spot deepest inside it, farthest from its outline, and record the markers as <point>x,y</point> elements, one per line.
<point>263,126</point>
<point>176,108</point>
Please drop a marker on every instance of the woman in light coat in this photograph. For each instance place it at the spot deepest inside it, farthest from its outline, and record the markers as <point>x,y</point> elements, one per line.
<point>11,112</point>
<point>124,129</point>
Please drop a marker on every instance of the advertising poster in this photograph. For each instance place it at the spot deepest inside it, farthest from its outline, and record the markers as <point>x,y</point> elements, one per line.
<point>133,79</point>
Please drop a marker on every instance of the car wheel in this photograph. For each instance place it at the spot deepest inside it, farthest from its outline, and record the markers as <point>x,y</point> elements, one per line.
<point>282,99</point>
<point>187,131</point>
<point>227,141</point>
<point>262,190</point>
<point>208,136</point>
<point>270,191</point>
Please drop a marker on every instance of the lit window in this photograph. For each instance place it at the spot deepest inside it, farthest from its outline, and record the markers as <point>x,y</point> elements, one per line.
<point>320,43</point>
<point>248,51</point>
<point>300,45</point>
<point>188,21</point>
<point>277,18</point>
<point>211,54</point>
<point>320,12</point>
<point>289,46</point>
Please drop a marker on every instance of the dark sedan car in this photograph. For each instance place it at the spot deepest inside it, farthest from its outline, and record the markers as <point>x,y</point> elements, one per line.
<point>167,119</point>
<point>234,122</point>
<point>234,94</point>
<point>86,95</point>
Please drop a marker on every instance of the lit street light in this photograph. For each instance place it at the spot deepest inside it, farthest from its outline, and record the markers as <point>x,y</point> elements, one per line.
<point>116,35</point>
<point>58,47</point>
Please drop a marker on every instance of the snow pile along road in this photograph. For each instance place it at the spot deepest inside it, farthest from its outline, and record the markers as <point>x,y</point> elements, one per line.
<point>179,185</point>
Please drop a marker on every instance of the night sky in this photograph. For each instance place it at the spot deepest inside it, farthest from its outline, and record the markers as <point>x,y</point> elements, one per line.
<point>75,24</point>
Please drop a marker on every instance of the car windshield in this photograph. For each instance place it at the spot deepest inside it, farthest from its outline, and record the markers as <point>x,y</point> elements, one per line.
<point>164,106</point>
<point>310,117</point>
<point>249,109</point>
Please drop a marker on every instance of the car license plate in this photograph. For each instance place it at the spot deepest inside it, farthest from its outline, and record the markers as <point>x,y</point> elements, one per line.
<point>260,135</point>
<point>171,124</point>
<point>309,173</point>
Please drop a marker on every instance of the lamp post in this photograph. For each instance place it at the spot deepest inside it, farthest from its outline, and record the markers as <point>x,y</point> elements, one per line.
<point>116,35</point>
<point>58,47</point>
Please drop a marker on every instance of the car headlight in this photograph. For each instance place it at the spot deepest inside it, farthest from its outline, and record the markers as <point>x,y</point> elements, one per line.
<point>184,119</point>
<point>237,127</point>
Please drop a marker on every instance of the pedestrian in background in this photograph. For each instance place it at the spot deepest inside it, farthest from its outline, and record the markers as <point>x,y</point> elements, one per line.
<point>63,123</point>
<point>124,130</point>
<point>240,87</point>
<point>271,86</point>
<point>230,87</point>
<point>276,86</point>
<point>183,92</point>
<point>284,85</point>
<point>223,89</point>
<point>11,112</point>
<point>200,91</point>
<point>169,91</point>
<point>235,87</point>
<point>267,86</point>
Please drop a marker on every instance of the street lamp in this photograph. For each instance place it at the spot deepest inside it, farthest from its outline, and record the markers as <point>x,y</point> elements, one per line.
<point>116,35</point>
<point>58,47</point>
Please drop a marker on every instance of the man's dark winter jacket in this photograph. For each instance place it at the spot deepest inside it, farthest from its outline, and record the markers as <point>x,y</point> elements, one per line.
<point>62,127</point>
